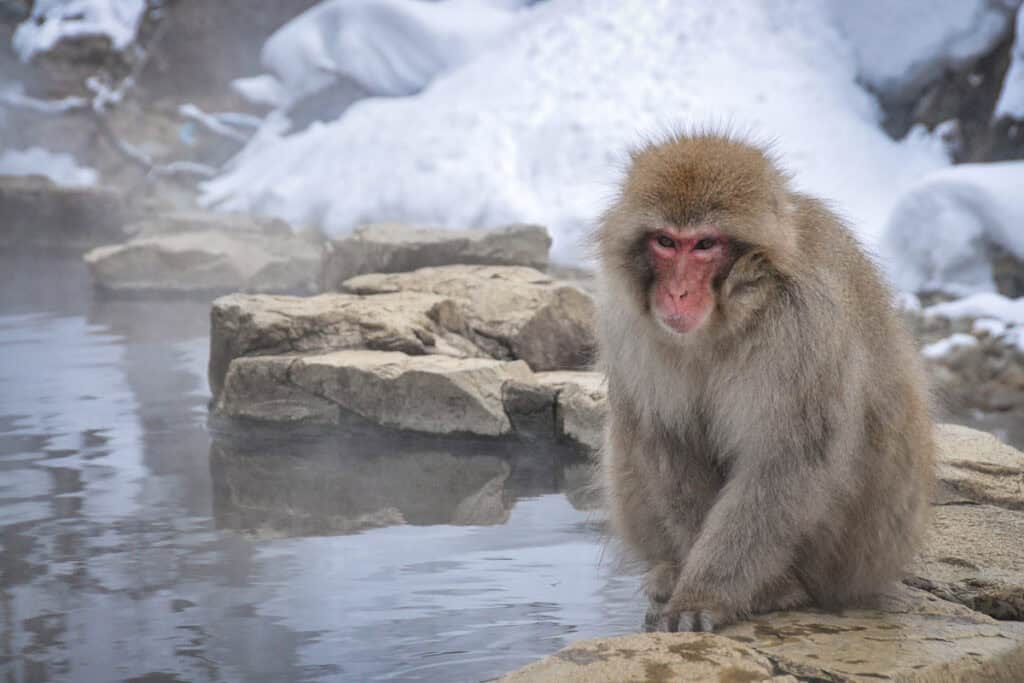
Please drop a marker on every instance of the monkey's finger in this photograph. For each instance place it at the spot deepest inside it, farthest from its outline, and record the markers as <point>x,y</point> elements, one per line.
<point>687,622</point>
<point>705,622</point>
<point>652,619</point>
<point>669,623</point>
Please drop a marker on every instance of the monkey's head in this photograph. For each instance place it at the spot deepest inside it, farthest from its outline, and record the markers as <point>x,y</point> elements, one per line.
<point>702,225</point>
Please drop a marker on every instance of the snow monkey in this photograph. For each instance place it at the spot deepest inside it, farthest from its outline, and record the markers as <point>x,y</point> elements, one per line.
<point>769,440</point>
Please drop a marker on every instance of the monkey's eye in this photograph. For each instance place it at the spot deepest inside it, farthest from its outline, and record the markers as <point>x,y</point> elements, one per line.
<point>666,242</point>
<point>705,244</point>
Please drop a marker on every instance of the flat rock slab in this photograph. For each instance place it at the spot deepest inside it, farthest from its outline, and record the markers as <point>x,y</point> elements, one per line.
<point>510,312</point>
<point>38,212</point>
<point>396,247</point>
<point>911,636</point>
<point>263,325</point>
<point>434,394</point>
<point>200,253</point>
<point>978,467</point>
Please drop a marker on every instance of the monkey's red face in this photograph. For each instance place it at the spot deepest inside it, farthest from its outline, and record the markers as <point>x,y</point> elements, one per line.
<point>685,264</point>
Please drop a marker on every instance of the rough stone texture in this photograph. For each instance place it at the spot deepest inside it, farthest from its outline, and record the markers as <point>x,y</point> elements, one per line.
<point>973,555</point>
<point>37,212</point>
<point>582,403</point>
<point>978,467</point>
<point>192,253</point>
<point>910,636</point>
<point>510,312</point>
<point>263,325</point>
<point>434,394</point>
<point>650,657</point>
<point>395,248</point>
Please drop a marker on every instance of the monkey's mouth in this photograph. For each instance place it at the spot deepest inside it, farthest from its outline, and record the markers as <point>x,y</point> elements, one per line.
<point>677,323</point>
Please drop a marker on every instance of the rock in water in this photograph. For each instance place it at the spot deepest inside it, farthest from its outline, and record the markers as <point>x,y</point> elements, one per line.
<point>38,212</point>
<point>203,253</point>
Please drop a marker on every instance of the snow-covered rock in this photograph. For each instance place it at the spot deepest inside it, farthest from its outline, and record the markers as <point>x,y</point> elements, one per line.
<point>900,46</point>
<point>940,233</point>
<point>951,343</point>
<point>54,20</point>
<point>984,305</point>
<point>536,129</point>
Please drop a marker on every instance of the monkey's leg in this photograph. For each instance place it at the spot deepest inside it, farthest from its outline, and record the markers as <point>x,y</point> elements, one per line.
<point>639,521</point>
<point>782,595</point>
<point>748,540</point>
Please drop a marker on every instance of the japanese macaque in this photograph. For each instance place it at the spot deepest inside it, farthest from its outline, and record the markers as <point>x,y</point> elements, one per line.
<point>769,441</point>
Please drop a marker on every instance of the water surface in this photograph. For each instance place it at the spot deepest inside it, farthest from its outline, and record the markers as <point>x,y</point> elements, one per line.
<point>138,543</point>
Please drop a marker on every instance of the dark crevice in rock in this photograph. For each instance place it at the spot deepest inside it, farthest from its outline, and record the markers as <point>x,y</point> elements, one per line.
<point>801,672</point>
<point>999,601</point>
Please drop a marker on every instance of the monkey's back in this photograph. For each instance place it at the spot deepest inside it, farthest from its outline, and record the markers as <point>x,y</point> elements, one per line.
<point>882,517</point>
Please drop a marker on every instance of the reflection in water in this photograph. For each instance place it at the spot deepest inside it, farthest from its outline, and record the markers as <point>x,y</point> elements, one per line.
<point>295,482</point>
<point>135,547</point>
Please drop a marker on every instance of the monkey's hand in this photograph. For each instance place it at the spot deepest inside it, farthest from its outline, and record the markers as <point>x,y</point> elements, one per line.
<point>671,620</point>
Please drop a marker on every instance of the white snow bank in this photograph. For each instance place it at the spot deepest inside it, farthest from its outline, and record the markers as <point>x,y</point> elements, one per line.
<point>60,168</point>
<point>948,345</point>
<point>389,47</point>
<point>53,20</point>
<point>992,327</point>
<point>902,45</point>
<point>936,236</point>
<point>1011,99</point>
<point>536,129</point>
<point>987,305</point>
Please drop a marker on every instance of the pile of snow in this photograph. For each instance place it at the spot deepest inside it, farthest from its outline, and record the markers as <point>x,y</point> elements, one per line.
<point>60,168</point>
<point>900,46</point>
<point>1011,99</point>
<point>944,347</point>
<point>389,47</point>
<point>937,237</point>
<point>537,128</point>
<point>988,306</point>
<point>53,20</point>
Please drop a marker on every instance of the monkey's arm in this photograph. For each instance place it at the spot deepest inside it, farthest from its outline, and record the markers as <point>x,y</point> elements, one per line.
<point>747,543</point>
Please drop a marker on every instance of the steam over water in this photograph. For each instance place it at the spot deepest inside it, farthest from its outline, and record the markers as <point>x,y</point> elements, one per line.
<point>136,543</point>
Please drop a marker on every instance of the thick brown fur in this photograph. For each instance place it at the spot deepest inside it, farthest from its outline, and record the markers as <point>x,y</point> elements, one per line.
<point>781,454</point>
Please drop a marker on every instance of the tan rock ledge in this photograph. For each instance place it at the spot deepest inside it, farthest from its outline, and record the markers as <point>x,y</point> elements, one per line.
<point>910,636</point>
<point>434,394</point>
<point>509,312</point>
<point>396,247</point>
<point>979,467</point>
